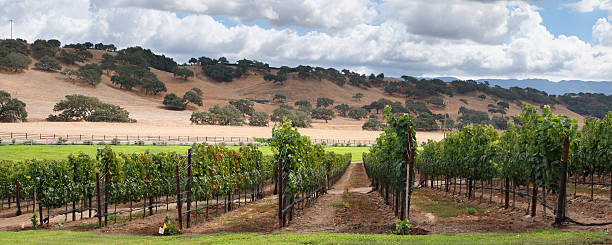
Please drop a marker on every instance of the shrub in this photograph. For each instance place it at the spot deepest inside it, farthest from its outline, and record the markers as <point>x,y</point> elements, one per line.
<point>182,73</point>
<point>482,96</point>
<point>402,227</point>
<point>323,114</point>
<point>324,102</point>
<point>90,73</point>
<point>15,62</point>
<point>436,101</point>
<point>373,124</point>
<point>342,109</point>
<point>173,102</point>
<point>192,96</point>
<point>84,108</point>
<point>357,113</point>
<point>217,115</point>
<point>426,122</point>
<point>11,109</point>
<point>259,119</point>
<point>298,118</point>
<point>48,64</point>
<point>500,123</point>
<point>281,98</point>
<point>243,105</point>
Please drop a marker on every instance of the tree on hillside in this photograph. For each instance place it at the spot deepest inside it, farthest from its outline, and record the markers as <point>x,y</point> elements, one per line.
<point>217,115</point>
<point>323,113</point>
<point>259,119</point>
<point>11,109</point>
<point>357,113</point>
<point>373,124</point>
<point>48,64</point>
<point>342,109</point>
<point>173,102</point>
<point>151,84</point>
<point>78,107</point>
<point>124,82</point>
<point>15,62</point>
<point>90,73</point>
<point>482,96</point>
<point>193,61</point>
<point>324,102</point>
<point>245,106</point>
<point>281,98</point>
<point>42,48</point>
<point>182,73</point>
<point>108,63</point>
<point>358,96</point>
<point>303,105</point>
<point>70,74</point>
<point>503,104</point>
<point>192,96</point>
<point>70,57</point>
<point>8,46</point>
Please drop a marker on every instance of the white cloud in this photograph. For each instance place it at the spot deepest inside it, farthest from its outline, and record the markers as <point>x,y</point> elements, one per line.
<point>497,39</point>
<point>602,31</point>
<point>585,6</point>
<point>338,14</point>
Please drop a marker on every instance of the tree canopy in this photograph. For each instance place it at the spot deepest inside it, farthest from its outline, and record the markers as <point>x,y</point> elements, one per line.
<point>11,109</point>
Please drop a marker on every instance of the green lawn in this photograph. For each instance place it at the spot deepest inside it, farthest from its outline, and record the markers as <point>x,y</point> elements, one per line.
<point>58,152</point>
<point>75,237</point>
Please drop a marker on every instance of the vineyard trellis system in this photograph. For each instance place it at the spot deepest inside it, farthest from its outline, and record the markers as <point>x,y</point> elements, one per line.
<point>303,171</point>
<point>540,152</point>
<point>206,173</point>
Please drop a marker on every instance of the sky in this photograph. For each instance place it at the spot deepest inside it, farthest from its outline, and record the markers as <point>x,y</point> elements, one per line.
<point>469,39</point>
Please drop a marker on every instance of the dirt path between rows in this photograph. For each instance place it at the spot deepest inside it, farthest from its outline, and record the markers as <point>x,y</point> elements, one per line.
<point>348,206</point>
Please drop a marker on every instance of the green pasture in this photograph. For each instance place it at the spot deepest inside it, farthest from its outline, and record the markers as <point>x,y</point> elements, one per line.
<point>59,152</point>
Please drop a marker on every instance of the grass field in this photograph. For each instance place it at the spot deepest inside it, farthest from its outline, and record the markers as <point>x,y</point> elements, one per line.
<point>58,152</point>
<point>74,237</point>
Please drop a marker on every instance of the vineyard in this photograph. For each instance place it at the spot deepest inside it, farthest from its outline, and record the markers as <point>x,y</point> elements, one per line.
<point>532,163</point>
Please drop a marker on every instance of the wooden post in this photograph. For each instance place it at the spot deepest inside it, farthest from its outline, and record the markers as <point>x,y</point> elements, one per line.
<point>410,152</point>
<point>18,190</point>
<point>281,218</point>
<point>188,187</point>
<point>179,204</point>
<point>106,185</point>
<point>507,193</point>
<point>74,173</point>
<point>98,200</point>
<point>561,200</point>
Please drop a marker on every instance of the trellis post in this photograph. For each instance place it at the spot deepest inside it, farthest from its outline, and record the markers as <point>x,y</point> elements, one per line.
<point>561,200</point>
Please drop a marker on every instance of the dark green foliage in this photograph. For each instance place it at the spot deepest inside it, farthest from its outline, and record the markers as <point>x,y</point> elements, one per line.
<point>42,48</point>
<point>436,101</point>
<point>426,122</point>
<point>217,115</point>
<point>90,73</point>
<point>358,80</point>
<point>151,84</point>
<point>500,123</point>
<point>83,108</point>
<point>8,46</point>
<point>595,105</point>
<point>15,62</point>
<point>219,72</point>
<point>472,116</point>
<point>303,105</point>
<point>145,57</point>
<point>48,64</point>
<point>77,55</point>
<point>482,96</point>
<point>281,98</point>
<point>108,62</point>
<point>463,87</point>
<point>380,104</point>
<point>357,113</point>
<point>342,109</point>
<point>373,124</point>
<point>464,101</point>
<point>181,72</point>
<point>105,47</point>
<point>192,96</point>
<point>11,109</point>
<point>173,102</point>
<point>503,104</point>
<point>324,102</point>
<point>358,96</point>
<point>124,82</point>
<point>245,106</point>
<point>280,77</point>
<point>298,118</point>
<point>417,107</point>
<point>323,114</point>
<point>259,119</point>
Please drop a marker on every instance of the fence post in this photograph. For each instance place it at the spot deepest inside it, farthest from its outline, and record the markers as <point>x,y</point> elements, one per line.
<point>410,166</point>
<point>179,204</point>
<point>561,200</point>
<point>98,201</point>
<point>189,187</point>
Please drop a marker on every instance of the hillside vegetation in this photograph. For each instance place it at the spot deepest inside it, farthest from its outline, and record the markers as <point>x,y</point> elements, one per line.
<point>138,80</point>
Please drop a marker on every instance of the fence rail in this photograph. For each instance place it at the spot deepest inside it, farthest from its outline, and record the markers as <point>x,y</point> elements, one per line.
<point>28,138</point>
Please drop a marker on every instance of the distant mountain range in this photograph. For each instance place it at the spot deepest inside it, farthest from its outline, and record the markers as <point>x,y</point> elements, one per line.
<point>550,87</point>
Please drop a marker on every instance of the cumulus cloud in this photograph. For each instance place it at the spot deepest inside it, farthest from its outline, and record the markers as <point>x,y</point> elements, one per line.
<point>498,38</point>
<point>602,31</point>
<point>585,6</point>
<point>336,14</point>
